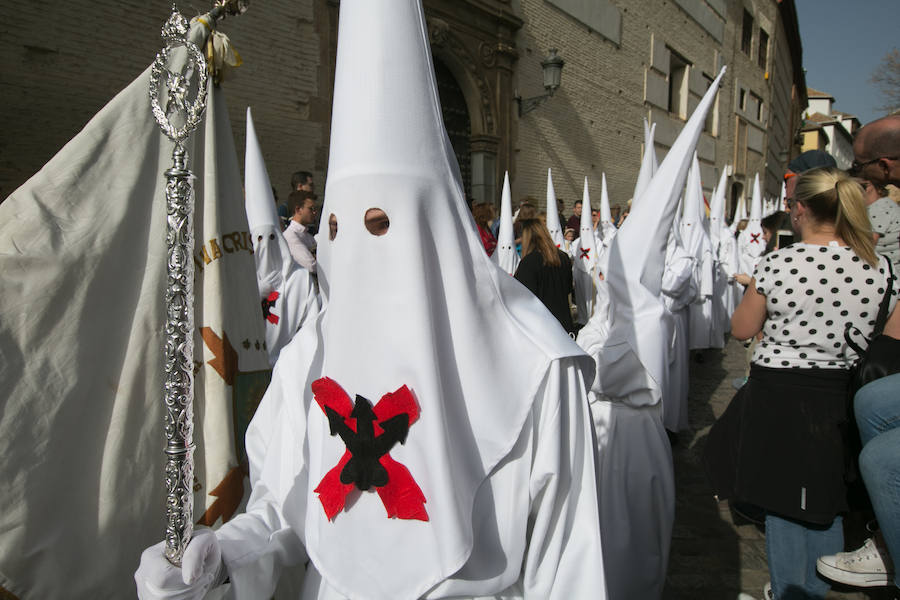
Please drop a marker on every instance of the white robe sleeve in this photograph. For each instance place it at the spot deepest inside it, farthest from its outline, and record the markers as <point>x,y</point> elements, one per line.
<point>564,557</point>
<point>259,543</point>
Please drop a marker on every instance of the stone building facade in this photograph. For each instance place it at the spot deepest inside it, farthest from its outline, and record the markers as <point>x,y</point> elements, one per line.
<point>625,60</point>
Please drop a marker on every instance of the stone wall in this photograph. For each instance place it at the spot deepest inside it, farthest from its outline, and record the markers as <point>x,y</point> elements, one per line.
<point>60,69</point>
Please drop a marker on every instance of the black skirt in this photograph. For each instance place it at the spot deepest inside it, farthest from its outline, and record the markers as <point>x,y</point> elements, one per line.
<point>780,445</point>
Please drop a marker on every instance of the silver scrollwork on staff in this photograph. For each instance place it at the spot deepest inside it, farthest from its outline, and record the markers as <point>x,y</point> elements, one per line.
<point>179,75</point>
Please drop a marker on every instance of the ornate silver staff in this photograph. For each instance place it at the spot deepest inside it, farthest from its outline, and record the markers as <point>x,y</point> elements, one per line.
<point>176,74</point>
<point>180,117</point>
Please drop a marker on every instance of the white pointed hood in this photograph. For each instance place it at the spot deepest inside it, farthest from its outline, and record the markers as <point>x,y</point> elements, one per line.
<point>505,255</point>
<point>553,226</point>
<point>286,290</point>
<point>420,306</point>
<point>636,264</point>
<point>751,244</point>
<point>717,209</point>
<point>607,229</point>
<point>586,248</point>
<point>273,258</point>
<point>692,219</point>
<point>648,162</point>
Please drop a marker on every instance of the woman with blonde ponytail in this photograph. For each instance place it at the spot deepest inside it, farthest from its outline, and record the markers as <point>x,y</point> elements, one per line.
<point>779,445</point>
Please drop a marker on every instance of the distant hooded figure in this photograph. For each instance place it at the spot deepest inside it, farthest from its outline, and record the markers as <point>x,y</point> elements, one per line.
<point>585,252</point>
<point>402,447</point>
<point>287,291</point>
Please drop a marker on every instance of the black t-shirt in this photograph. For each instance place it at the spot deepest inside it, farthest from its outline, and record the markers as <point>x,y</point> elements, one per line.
<point>551,285</point>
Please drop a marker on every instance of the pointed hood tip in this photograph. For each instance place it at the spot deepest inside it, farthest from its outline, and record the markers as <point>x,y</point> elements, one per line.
<point>259,201</point>
<point>369,142</point>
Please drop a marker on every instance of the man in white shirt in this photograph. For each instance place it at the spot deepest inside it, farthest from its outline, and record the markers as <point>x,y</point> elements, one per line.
<point>302,205</point>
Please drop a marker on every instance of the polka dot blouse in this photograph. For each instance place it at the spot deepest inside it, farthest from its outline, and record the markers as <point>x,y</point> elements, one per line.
<point>811,293</point>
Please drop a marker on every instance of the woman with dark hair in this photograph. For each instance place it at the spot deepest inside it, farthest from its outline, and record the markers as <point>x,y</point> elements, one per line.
<point>483,213</point>
<point>780,444</point>
<point>546,271</point>
<point>771,225</point>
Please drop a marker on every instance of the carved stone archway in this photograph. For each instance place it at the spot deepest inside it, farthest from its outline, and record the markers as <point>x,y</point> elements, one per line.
<point>474,40</point>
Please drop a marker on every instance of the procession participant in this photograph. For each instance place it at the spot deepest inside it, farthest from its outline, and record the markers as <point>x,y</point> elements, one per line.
<point>491,489</point>
<point>287,291</point>
<point>630,343</point>
<point>553,226</point>
<point>585,257</point>
<point>679,290</point>
<point>696,242</point>
<point>751,244</point>
<point>505,255</point>
<point>607,228</point>
<point>724,267</point>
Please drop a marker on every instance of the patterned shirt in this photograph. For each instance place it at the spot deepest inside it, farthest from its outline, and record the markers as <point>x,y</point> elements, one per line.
<point>812,292</point>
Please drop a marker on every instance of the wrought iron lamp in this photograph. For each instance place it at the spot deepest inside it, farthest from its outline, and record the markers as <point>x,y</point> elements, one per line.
<point>552,67</point>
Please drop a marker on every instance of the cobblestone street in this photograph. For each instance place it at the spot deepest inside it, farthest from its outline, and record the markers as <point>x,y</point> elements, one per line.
<point>712,557</point>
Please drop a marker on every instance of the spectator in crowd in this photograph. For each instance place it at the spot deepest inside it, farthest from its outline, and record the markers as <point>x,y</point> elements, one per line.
<point>780,444</point>
<point>569,235</point>
<point>616,212</point>
<point>876,149</point>
<point>483,212</point>
<point>771,225</point>
<point>574,221</point>
<point>526,211</point>
<point>281,209</point>
<point>546,271</point>
<point>302,181</point>
<point>810,159</point>
<point>884,215</point>
<point>302,207</point>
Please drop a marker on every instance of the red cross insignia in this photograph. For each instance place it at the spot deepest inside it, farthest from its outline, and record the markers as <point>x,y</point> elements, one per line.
<point>268,303</point>
<point>586,253</point>
<point>754,238</point>
<point>369,434</point>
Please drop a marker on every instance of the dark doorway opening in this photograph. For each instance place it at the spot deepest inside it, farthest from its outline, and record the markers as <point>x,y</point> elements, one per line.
<point>456,121</point>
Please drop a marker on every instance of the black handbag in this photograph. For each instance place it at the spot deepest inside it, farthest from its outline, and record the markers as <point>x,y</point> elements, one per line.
<point>881,357</point>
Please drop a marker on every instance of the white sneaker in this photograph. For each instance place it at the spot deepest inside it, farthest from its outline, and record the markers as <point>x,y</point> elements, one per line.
<point>867,566</point>
<point>768,594</point>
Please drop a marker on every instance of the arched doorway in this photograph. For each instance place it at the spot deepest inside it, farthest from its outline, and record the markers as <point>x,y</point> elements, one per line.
<point>456,121</point>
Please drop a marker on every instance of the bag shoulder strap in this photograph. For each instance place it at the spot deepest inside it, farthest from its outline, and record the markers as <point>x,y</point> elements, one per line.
<point>881,320</point>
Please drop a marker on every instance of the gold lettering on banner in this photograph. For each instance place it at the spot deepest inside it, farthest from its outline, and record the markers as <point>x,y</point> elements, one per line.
<point>233,242</point>
<point>214,245</point>
<point>237,239</point>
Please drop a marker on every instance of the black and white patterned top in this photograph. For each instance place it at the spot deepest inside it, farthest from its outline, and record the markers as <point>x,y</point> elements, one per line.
<point>811,293</point>
<point>884,214</point>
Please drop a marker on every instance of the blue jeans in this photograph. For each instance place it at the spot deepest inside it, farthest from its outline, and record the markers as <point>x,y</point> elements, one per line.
<point>792,548</point>
<point>877,408</point>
